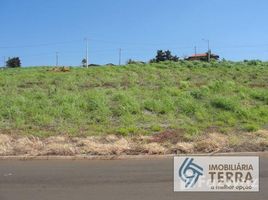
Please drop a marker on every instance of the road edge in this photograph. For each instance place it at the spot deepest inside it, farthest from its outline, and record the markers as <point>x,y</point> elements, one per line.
<point>128,157</point>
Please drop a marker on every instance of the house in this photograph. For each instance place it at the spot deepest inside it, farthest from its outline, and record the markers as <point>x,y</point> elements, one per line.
<point>203,57</point>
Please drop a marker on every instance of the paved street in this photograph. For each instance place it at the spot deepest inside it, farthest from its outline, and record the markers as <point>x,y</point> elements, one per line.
<point>106,179</point>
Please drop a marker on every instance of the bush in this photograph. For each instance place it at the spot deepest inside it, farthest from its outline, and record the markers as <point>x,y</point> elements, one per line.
<point>13,62</point>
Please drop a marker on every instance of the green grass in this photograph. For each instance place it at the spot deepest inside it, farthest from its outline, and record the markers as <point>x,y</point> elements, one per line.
<point>135,99</point>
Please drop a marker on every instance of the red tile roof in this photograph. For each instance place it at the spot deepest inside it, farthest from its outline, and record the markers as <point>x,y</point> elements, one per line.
<point>199,55</point>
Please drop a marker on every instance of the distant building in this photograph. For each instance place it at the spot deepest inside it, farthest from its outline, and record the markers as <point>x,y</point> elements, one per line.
<point>93,65</point>
<point>202,57</point>
<point>110,64</point>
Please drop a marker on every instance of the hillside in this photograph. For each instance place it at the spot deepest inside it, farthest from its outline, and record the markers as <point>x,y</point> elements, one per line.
<point>193,97</point>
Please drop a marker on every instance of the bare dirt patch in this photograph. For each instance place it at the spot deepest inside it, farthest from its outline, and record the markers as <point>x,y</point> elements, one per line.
<point>171,136</point>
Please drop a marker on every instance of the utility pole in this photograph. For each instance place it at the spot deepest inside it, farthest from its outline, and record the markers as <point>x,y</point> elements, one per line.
<point>195,50</point>
<point>86,51</point>
<point>57,59</point>
<point>120,52</point>
<point>209,51</point>
<point>4,59</point>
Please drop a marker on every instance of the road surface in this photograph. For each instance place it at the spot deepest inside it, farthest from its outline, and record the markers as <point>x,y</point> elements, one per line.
<point>106,179</point>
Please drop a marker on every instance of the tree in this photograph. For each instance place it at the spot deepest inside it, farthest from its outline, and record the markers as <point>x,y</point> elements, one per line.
<point>160,56</point>
<point>84,62</point>
<point>163,56</point>
<point>13,62</point>
<point>168,55</point>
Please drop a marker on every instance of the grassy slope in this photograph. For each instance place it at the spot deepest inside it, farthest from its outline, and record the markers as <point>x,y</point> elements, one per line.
<point>136,99</point>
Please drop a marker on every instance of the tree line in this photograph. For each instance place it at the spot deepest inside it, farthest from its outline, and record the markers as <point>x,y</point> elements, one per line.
<point>160,57</point>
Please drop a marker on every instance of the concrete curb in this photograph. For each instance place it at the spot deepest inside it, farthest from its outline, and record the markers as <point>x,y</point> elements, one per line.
<point>128,157</point>
<point>88,157</point>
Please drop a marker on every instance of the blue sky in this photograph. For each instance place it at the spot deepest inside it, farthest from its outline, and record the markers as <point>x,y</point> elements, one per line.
<point>35,29</point>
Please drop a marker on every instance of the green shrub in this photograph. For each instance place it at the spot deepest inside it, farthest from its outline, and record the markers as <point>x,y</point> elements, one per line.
<point>251,127</point>
<point>125,104</point>
<point>162,106</point>
<point>224,104</point>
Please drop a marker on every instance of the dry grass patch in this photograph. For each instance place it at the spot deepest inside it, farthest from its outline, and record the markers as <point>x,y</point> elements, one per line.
<point>59,149</point>
<point>5,145</point>
<point>211,143</point>
<point>25,145</point>
<point>118,145</point>
<point>153,148</point>
<point>94,146</point>
<point>183,147</point>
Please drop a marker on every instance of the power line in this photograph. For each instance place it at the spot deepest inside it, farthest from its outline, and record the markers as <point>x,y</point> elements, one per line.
<point>38,45</point>
<point>174,45</point>
<point>130,43</point>
<point>37,55</point>
<point>129,47</point>
<point>242,46</point>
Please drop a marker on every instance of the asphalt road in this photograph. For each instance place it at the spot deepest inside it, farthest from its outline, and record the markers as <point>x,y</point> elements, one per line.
<point>95,179</point>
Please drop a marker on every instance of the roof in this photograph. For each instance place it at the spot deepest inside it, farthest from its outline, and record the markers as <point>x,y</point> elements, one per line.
<point>202,55</point>
<point>199,55</point>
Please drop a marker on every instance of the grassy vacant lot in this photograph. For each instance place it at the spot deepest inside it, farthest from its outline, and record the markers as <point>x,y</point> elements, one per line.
<point>191,97</point>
